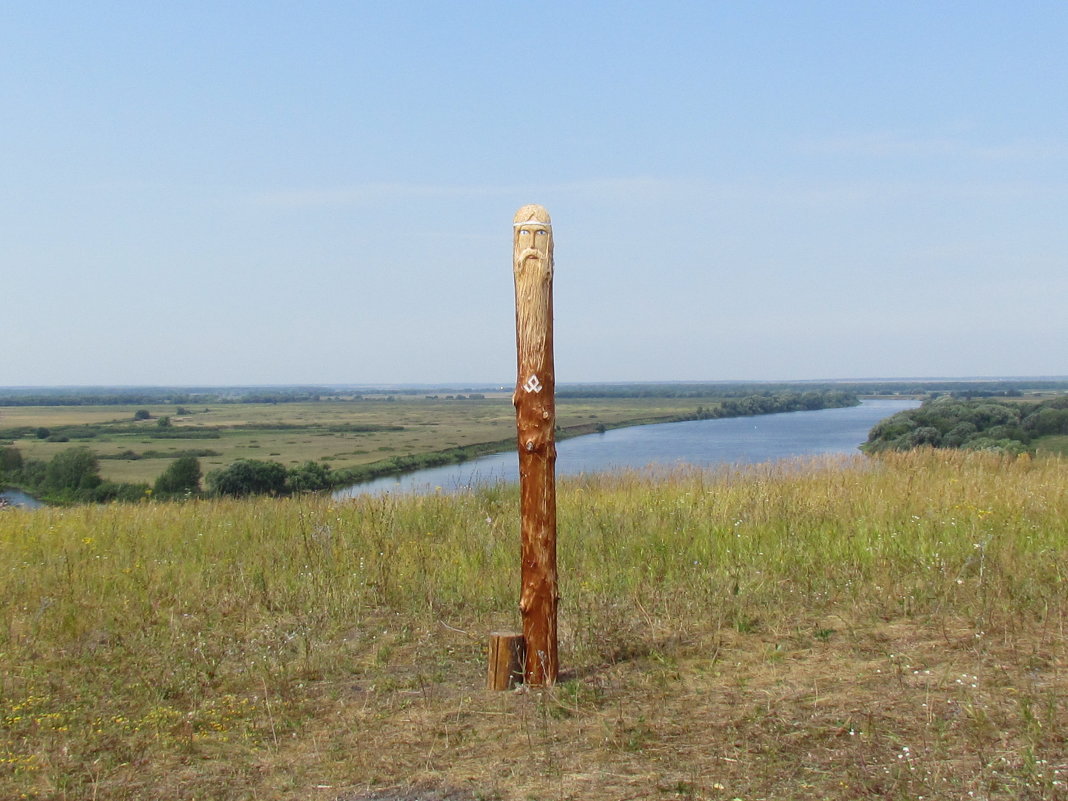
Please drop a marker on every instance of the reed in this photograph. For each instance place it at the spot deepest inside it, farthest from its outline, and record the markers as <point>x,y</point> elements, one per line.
<point>262,648</point>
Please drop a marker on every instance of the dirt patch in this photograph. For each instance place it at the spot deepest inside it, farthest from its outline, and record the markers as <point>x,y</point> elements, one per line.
<point>901,710</point>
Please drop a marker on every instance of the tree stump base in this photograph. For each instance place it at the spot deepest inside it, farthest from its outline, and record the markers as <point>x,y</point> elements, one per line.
<point>507,658</point>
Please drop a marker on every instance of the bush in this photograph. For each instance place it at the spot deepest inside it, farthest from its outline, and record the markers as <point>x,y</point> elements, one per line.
<point>1050,420</point>
<point>31,475</point>
<point>10,460</point>
<point>248,477</point>
<point>958,435</point>
<point>927,435</point>
<point>71,471</point>
<point>1008,446</point>
<point>182,476</point>
<point>309,477</point>
<point>109,491</point>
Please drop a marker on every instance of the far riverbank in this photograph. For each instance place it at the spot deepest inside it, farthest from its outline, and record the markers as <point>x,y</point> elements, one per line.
<point>733,440</point>
<point>746,406</point>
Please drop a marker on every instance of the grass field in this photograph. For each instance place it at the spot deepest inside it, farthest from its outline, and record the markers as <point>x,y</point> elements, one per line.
<point>292,433</point>
<point>890,628</point>
<point>1056,444</point>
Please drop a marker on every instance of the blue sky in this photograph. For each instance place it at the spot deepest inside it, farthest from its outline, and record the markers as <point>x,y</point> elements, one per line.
<point>322,192</point>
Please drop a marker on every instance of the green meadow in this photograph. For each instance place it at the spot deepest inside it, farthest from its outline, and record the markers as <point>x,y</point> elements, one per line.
<point>338,433</point>
<point>873,627</point>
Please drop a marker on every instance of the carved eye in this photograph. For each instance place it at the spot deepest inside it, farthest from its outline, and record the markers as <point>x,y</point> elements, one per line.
<point>541,232</point>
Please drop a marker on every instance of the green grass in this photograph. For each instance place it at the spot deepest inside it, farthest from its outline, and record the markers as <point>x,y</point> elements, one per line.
<point>848,629</point>
<point>1056,445</point>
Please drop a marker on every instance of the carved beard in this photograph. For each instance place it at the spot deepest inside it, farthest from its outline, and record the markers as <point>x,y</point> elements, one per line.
<point>543,256</point>
<point>530,253</point>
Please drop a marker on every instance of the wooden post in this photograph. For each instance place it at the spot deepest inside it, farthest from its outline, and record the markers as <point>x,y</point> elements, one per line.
<point>535,410</point>
<point>507,657</point>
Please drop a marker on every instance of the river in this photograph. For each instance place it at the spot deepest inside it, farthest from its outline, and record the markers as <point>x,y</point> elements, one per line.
<point>732,440</point>
<point>18,498</point>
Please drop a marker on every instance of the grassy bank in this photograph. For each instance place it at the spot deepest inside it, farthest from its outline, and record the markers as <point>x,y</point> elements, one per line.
<point>871,628</point>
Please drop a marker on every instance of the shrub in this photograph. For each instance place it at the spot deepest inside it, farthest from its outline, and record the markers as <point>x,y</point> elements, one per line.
<point>109,491</point>
<point>926,435</point>
<point>10,459</point>
<point>248,477</point>
<point>72,470</point>
<point>309,477</point>
<point>181,476</point>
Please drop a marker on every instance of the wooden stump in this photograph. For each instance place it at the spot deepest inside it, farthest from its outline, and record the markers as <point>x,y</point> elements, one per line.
<point>507,656</point>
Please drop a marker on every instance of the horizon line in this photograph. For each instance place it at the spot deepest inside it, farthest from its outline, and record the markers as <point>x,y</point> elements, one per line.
<point>383,385</point>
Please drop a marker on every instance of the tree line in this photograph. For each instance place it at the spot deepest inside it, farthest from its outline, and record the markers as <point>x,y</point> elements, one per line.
<point>70,476</point>
<point>973,424</point>
<point>119,396</point>
<point>73,476</point>
<point>727,389</point>
<point>774,403</point>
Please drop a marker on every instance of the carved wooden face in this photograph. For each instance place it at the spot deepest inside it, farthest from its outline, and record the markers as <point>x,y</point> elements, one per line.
<point>533,237</point>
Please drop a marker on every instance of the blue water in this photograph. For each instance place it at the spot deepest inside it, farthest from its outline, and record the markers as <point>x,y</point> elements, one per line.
<point>704,443</point>
<point>17,498</point>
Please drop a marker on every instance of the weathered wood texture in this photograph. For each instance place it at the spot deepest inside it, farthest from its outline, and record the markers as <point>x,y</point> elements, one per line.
<point>507,658</point>
<point>535,406</point>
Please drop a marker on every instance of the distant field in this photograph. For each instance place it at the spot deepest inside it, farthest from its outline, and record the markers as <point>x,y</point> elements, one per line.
<point>293,433</point>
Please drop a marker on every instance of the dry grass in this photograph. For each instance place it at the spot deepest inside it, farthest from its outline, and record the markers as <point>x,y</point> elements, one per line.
<point>889,629</point>
<point>897,710</point>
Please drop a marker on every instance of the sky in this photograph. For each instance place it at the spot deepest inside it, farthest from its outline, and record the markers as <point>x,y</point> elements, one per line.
<point>205,193</point>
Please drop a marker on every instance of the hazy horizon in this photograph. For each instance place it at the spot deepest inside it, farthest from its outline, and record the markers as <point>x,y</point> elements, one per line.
<point>500,385</point>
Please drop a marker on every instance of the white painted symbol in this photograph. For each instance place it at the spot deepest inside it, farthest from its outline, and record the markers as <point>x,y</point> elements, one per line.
<point>532,384</point>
